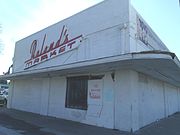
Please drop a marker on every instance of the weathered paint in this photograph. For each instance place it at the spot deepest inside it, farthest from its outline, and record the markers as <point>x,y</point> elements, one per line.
<point>124,106</point>
<point>130,100</point>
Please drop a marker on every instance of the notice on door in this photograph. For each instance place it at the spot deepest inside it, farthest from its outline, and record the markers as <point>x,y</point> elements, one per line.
<point>95,92</point>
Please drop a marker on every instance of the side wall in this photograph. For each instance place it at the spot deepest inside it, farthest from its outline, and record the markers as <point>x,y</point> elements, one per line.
<point>141,100</point>
<point>157,99</point>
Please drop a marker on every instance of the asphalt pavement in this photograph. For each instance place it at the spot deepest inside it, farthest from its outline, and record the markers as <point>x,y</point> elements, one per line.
<point>14,122</point>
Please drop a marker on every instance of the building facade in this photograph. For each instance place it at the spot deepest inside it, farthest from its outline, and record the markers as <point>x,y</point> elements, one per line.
<point>103,66</point>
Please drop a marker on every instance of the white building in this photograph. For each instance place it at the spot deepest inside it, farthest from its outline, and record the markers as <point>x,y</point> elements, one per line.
<point>103,66</point>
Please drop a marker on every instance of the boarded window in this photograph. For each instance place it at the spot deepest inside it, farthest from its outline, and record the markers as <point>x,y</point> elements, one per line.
<point>76,93</point>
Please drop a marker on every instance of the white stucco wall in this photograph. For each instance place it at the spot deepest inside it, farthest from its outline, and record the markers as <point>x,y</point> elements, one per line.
<point>129,101</point>
<point>141,100</point>
<point>26,95</point>
<point>46,96</point>
<point>157,100</point>
<point>126,100</point>
<point>151,100</point>
<point>171,99</point>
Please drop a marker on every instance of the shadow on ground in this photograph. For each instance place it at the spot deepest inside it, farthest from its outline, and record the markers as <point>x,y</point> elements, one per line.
<point>21,126</point>
<point>33,124</point>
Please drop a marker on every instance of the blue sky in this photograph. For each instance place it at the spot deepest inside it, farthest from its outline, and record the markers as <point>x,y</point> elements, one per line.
<point>20,18</point>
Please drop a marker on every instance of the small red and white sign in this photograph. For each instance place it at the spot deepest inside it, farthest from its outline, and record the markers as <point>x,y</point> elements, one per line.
<point>95,92</point>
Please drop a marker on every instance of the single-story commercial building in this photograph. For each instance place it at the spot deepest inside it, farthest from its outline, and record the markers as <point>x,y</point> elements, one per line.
<point>103,66</point>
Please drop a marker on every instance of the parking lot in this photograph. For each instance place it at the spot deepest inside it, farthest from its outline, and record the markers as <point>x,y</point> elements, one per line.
<point>13,122</point>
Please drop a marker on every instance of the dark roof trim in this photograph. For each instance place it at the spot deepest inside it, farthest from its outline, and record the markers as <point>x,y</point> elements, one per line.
<point>173,55</point>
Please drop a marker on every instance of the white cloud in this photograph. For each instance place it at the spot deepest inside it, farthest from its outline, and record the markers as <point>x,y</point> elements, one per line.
<point>52,11</point>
